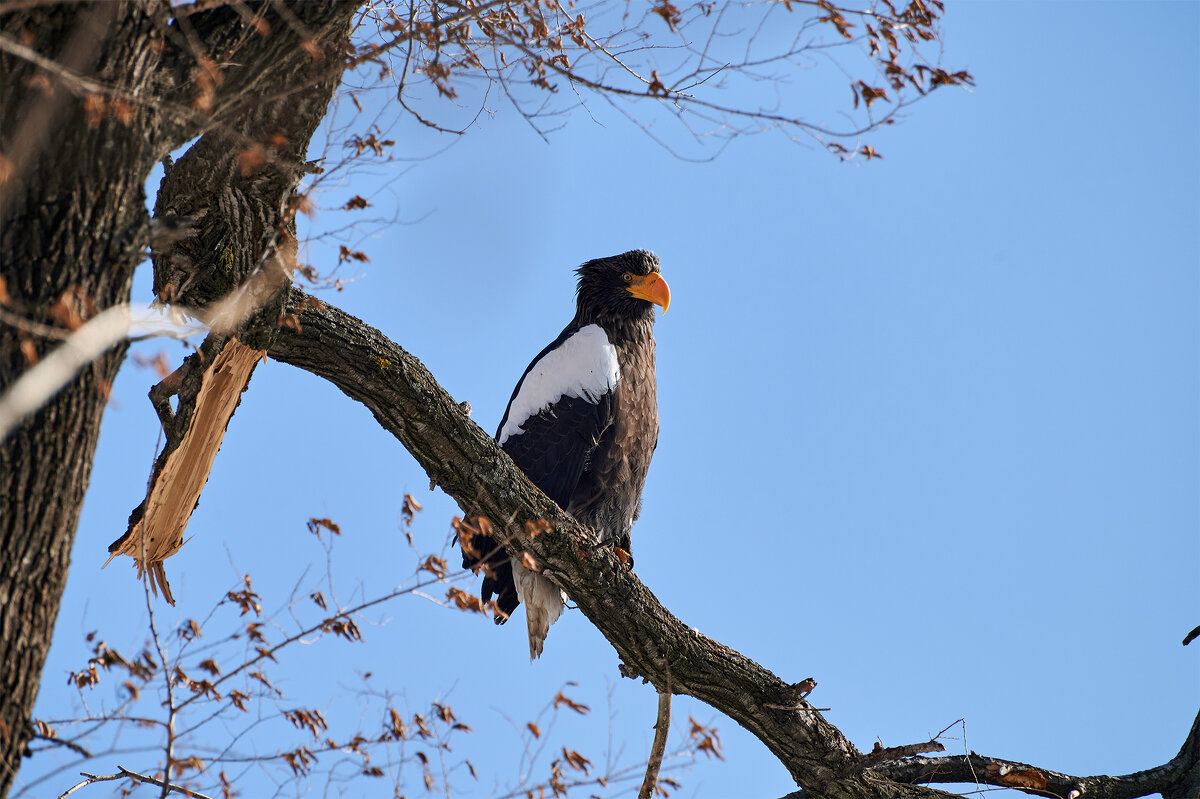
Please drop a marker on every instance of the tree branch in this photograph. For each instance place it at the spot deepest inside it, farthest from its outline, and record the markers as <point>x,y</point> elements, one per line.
<point>469,466</point>
<point>881,754</point>
<point>133,775</point>
<point>654,762</point>
<point>652,643</point>
<point>1177,779</point>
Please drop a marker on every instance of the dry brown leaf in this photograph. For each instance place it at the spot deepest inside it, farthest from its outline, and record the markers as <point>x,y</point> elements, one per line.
<point>251,158</point>
<point>29,351</point>
<point>94,108</point>
<point>559,699</point>
<point>576,760</point>
<point>315,525</point>
<point>536,527</point>
<point>464,601</point>
<point>435,566</point>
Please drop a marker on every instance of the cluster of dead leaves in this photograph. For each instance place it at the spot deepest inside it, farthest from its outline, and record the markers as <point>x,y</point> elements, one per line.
<point>204,687</point>
<point>311,720</point>
<point>140,670</point>
<point>246,599</point>
<point>346,254</point>
<point>466,531</point>
<point>342,627</point>
<point>705,739</point>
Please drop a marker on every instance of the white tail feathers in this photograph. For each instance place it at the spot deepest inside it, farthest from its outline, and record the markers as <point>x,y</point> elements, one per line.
<point>543,603</point>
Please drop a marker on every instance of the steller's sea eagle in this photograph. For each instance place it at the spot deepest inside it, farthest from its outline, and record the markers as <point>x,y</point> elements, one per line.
<point>582,424</point>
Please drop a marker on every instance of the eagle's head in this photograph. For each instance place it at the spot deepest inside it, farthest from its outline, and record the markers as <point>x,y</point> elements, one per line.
<point>625,286</point>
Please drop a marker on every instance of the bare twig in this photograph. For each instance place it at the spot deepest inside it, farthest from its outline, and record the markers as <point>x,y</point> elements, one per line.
<point>168,678</point>
<point>885,754</point>
<point>124,773</point>
<point>661,728</point>
<point>74,747</point>
<point>269,653</point>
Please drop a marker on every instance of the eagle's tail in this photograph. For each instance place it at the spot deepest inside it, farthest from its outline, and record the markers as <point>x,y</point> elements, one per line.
<point>543,604</point>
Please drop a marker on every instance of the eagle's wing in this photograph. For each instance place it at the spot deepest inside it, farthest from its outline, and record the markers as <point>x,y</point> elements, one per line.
<point>558,411</point>
<point>560,408</point>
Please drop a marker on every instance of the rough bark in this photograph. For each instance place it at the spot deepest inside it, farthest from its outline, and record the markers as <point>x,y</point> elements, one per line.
<point>233,196</point>
<point>69,230</point>
<point>91,97</point>
<point>1179,778</point>
<point>654,645</point>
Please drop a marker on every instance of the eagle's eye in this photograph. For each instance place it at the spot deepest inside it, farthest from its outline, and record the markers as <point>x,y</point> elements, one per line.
<point>627,277</point>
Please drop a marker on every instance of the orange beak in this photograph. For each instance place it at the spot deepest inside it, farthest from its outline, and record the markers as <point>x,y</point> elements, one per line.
<point>651,288</point>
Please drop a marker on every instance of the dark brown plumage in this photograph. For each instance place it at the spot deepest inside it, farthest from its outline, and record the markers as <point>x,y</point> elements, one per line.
<point>582,423</point>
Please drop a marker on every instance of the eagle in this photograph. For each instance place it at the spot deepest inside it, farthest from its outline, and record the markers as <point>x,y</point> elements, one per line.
<point>582,423</point>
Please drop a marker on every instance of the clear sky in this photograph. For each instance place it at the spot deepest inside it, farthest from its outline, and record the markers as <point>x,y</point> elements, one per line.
<point>930,425</point>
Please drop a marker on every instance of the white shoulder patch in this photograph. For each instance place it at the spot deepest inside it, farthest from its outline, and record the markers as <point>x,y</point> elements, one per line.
<point>585,365</point>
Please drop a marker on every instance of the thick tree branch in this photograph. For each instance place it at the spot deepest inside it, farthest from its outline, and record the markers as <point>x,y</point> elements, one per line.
<point>468,465</point>
<point>1177,779</point>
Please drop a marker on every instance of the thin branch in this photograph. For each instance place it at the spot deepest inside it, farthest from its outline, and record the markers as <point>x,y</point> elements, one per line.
<point>661,728</point>
<point>74,747</point>
<point>133,775</point>
<point>168,678</point>
<point>310,630</point>
<point>882,754</point>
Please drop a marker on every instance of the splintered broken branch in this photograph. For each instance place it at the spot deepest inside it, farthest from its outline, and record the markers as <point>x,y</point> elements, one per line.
<point>157,526</point>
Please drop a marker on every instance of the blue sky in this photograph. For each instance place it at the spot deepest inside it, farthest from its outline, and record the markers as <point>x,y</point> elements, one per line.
<point>929,424</point>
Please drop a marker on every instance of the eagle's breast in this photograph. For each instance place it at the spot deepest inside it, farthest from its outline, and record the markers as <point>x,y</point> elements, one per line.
<point>609,494</point>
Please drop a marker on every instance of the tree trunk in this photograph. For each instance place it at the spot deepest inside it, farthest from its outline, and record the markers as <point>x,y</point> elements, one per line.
<point>70,226</point>
<point>91,97</point>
